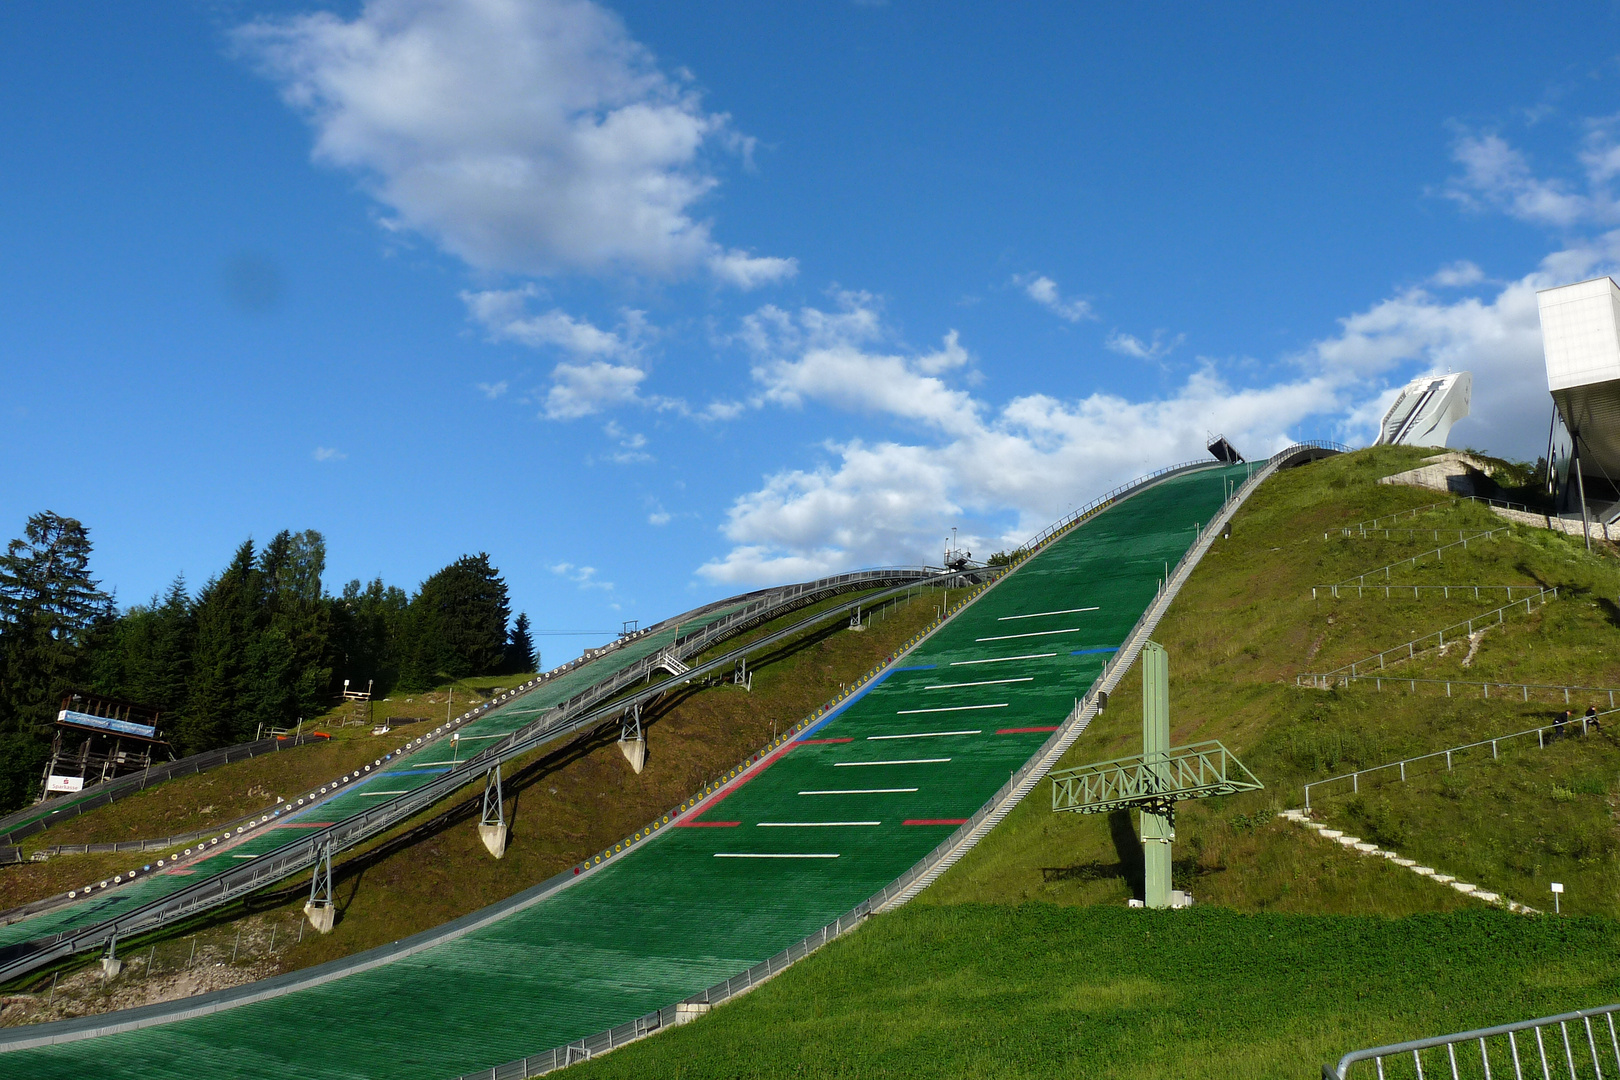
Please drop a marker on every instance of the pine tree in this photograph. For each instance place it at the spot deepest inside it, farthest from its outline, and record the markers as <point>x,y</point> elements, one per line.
<point>146,657</point>
<point>456,625</point>
<point>520,647</point>
<point>49,608</point>
<point>367,633</point>
<point>227,615</point>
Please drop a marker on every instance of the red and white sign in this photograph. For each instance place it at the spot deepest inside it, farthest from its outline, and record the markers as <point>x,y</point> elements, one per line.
<point>70,784</point>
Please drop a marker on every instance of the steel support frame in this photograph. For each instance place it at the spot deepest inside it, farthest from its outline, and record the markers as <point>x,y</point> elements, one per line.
<point>494,808</point>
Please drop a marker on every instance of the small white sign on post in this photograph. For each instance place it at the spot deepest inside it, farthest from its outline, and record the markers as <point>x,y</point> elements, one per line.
<point>1558,892</point>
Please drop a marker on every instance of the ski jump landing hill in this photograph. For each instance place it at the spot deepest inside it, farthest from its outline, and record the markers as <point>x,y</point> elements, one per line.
<point>857,809</point>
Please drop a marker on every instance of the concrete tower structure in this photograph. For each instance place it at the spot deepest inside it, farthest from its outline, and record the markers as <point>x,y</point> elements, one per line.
<point>1426,408</point>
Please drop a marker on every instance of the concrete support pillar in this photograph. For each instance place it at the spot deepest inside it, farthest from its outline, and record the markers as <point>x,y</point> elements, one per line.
<point>635,751</point>
<point>494,838</point>
<point>322,915</point>
<point>1157,826</point>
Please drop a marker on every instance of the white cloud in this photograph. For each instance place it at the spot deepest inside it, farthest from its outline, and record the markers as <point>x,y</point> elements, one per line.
<point>583,576</point>
<point>1457,275</point>
<point>526,136</point>
<point>492,390</point>
<point>1131,345</point>
<point>659,517</point>
<point>605,366</point>
<point>631,445</point>
<point>582,389</point>
<point>747,272</point>
<point>327,453</point>
<point>1496,175</point>
<point>504,315</point>
<point>1044,291</point>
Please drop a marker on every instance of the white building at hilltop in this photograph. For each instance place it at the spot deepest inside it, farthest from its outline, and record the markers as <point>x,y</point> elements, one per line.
<point>1580,336</point>
<point>1425,410</point>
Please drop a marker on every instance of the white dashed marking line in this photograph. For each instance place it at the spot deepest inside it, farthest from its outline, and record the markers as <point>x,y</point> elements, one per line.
<point>809,824</point>
<point>903,761</point>
<point>1042,614</point>
<point>924,735</point>
<point>950,708</point>
<point>986,682</point>
<point>862,791</point>
<point>763,855</point>
<point>1033,633</point>
<point>1004,659</point>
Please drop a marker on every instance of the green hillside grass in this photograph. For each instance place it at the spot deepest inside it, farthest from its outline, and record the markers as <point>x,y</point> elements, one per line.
<point>1042,991</point>
<point>1023,960</point>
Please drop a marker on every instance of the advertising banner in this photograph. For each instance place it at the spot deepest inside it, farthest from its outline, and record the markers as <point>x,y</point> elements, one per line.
<point>121,727</point>
<point>69,784</point>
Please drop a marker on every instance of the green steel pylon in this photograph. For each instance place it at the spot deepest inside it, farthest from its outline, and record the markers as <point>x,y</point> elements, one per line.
<point>1153,781</point>
<point>1158,821</point>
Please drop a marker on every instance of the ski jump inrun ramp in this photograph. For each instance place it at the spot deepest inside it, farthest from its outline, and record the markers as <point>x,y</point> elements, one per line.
<point>894,784</point>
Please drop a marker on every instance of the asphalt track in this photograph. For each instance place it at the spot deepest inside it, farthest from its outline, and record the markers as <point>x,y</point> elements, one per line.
<point>834,817</point>
<point>400,771</point>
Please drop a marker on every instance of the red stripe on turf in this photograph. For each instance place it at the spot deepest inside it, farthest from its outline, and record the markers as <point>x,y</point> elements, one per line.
<point>936,821</point>
<point>1022,730</point>
<point>706,824</point>
<point>820,742</point>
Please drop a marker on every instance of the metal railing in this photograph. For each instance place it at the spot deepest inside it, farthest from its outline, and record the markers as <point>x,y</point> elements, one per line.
<point>1362,527</point>
<point>1394,592</point>
<point>1324,680</point>
<point>1557,729</point>
<point>1439,553</point>
<point>32,820</point>
<point>1484,686</point>
<point>1531,1049</point>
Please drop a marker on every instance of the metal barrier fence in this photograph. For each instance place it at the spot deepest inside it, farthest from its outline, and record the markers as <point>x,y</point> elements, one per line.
<point>110,791</point>
<point>1558,732</point>
<point>1324,680</point>
<point>1540,1048</point>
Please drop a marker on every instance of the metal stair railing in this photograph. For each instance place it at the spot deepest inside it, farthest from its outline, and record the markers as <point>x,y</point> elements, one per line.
<point>1398,592</point>
<point>1484,685</point>
<point>1361,579</point>
<point>1324,680</point>
<point>1363,528</point>
<point>1557,730</point>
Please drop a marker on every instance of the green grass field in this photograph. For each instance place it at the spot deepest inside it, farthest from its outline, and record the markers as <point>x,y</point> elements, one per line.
<point>1041,990</point>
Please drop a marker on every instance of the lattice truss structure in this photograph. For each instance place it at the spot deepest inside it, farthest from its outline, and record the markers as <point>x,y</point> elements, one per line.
<point>1152,781</point>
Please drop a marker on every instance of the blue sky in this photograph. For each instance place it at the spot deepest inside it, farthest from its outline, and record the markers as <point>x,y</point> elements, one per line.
<point>655,302</point>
